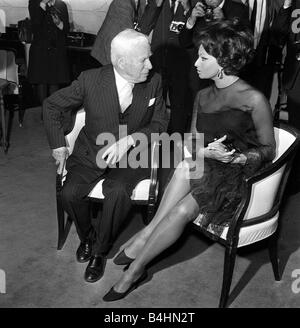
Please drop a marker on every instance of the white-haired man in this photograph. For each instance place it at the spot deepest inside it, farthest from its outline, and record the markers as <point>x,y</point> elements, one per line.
<point>124,93</point>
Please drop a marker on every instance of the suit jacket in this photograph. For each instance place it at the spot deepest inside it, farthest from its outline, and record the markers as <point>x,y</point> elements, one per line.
<point>96,91</point>
<point>285,35</point>
<point>120,15</point>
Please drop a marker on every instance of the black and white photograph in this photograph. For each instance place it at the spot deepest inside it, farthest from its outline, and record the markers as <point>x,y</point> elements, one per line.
<point>149,157</point>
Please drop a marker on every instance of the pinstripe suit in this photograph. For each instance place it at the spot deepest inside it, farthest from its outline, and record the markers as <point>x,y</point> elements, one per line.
<point>96,91</point>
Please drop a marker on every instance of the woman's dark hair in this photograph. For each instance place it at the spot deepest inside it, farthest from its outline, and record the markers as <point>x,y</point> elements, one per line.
<point>230,42</point>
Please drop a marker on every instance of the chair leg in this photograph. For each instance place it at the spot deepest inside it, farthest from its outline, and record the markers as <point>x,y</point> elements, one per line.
<point>229,261</point>
<point>63,227</point>
<point>273,254</point>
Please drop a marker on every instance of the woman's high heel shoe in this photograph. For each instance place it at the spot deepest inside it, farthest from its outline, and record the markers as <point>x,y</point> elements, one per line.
<point>112,295</point>
<point>122,259</point>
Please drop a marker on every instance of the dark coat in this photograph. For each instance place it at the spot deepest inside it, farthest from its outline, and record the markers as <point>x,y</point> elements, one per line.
<point>96,91</point>
<point>48,63</point>
<point>285,35</point>
<point>120,15</point>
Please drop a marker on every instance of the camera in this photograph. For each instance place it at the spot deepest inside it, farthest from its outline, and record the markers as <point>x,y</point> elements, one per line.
<point>176,26</point>
<point>208,11</point>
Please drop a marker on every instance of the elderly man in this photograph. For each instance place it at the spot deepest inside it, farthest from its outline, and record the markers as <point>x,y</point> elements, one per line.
<point>124,93</point>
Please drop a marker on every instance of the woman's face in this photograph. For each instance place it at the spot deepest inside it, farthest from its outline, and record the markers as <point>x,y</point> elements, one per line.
<point>207,65</point>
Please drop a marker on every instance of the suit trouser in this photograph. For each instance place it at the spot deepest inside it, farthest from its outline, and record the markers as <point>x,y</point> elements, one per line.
<point>117,189</point>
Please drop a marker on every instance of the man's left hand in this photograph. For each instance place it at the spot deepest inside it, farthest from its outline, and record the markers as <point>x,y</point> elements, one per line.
<point>115,152</point>
<point>56,19</point>
<point>218,13</point>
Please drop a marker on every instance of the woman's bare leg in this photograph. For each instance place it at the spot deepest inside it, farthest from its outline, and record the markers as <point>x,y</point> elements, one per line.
<point>164,235</point>
<point>177,189</point>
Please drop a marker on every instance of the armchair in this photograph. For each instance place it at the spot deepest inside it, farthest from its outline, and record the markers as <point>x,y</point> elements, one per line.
<point>258,215</point>
<point>145,193</point>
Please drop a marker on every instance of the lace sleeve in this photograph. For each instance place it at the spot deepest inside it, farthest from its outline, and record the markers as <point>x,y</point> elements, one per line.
<point>263,122</point>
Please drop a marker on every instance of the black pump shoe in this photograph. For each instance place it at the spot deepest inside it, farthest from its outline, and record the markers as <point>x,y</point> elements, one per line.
<point>112,295</point>
<point>122,259</point>
<point>84,251</point>
<point>95,269</point>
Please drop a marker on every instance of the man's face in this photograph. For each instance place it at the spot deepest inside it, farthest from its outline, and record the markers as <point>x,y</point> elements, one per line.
<point>137,64</point>
<point>213,3</point>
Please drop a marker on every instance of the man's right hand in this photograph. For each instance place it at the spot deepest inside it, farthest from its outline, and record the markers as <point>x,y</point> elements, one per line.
<point>198,11</point>
<point>60,155</point>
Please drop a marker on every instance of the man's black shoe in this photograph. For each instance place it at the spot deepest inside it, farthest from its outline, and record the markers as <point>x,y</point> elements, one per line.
<point>84,252</point>
<point>95,269</point>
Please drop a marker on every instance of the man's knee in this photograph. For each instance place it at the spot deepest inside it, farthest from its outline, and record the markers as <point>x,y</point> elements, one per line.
<point>116,188</point>
<point>69,193</point>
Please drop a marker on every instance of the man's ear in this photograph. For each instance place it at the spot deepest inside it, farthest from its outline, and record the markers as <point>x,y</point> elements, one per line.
<point>121,62</point>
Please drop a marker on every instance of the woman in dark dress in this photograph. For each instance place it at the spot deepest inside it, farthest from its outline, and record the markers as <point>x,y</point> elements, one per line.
<point>48,63</point>
<point>236,120</point>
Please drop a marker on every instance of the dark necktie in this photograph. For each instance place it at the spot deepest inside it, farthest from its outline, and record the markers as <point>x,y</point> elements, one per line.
<point>253,15</point>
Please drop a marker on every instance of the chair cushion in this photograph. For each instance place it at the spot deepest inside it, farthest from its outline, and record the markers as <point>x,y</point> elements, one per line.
<point>250,234</point>
<point>140,192</point>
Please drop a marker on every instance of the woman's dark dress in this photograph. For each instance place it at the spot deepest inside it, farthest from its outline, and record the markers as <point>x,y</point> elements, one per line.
<point>219,191</point>
<point>48,62</point>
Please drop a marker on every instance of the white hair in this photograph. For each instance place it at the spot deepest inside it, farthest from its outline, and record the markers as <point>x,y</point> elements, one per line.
<point>125,43</point>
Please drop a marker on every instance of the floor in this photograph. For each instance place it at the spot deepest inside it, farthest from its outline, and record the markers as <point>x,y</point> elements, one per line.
<point>186,276</point>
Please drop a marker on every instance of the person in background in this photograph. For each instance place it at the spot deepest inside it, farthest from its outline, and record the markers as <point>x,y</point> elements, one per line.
<point>121,14</point>
<point>263,15</point>
<point>288,33</point>
<point>236,121</point>
<point>167,18</point>
<point>48,67</point>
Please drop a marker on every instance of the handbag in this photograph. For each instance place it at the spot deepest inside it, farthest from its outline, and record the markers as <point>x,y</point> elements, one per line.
<point>25,30</point>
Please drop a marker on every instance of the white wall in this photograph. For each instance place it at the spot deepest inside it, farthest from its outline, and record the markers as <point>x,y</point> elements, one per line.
<point>86,15</point>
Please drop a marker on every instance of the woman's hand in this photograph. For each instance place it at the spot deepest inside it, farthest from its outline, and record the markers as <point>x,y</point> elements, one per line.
<point>218,151</point>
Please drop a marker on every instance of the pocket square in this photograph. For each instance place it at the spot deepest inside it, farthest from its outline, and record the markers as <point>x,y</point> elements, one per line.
<point>151,101</point>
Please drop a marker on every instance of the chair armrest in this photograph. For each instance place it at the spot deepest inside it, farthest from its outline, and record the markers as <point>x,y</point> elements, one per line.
<point>153,189</point>
<point>60,179</point>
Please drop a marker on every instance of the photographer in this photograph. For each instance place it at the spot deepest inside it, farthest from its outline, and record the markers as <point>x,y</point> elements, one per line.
<point>167,18</point>
<point>48,63</point>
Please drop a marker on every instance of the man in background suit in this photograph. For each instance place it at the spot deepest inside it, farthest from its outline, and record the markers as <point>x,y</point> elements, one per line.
<point>288,27</point>
<point>121,14</point>
<point>263,16</point>
<point>170,59</point>
<point>123,93</point>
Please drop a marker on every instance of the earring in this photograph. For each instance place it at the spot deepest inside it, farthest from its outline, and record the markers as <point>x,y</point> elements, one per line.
<point>220,74</point>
